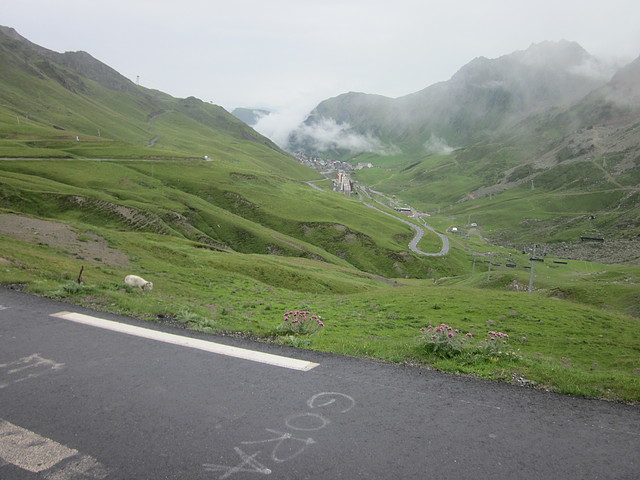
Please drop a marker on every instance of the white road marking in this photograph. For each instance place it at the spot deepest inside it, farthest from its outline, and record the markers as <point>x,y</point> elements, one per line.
<point>212,347</point>
<point>81,467</point>
<point>29,450</point>
<point>32,452</point>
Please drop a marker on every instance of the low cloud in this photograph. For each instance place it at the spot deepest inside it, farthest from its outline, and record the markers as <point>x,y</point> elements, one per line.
<point>327,134</point>
<point>279,124</point>
<point>595,69</point>
<point>437,145</point>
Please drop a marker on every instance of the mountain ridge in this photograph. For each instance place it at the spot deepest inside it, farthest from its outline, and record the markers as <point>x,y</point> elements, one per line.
<point>484,95</point>
<point>142,164</point>
<point>87,108</point>
<point>534,127</point>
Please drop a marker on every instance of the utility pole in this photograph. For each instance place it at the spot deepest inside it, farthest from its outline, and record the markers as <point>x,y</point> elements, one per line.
<point>534,258</point>
<point>473,264</point>
<point>489,272</point>
<point>532,274</point>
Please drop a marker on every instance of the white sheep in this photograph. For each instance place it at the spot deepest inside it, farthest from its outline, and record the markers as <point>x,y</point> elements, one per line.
<point>136,281</point>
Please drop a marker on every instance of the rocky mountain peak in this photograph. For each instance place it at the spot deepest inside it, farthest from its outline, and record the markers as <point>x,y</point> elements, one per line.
<point>625,84</point>
<point>563,54</point>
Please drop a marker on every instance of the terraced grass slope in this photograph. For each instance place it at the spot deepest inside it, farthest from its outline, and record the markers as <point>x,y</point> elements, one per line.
<point>217,204</point>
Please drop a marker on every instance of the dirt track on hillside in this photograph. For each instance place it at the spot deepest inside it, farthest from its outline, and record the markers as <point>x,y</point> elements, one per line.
<point>81,245</point>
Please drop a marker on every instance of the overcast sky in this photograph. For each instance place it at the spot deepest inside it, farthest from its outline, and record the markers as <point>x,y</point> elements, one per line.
<point>291,54</point>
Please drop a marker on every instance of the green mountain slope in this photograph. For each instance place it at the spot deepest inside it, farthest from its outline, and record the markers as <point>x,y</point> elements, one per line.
<point>209,178</point>
<point>482,97</point>
<point>72,106</point>
<point>546,150</point>
<point>115,182</point>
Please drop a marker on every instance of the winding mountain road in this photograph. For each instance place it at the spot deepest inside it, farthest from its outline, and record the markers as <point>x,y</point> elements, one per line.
<point>413,245</point>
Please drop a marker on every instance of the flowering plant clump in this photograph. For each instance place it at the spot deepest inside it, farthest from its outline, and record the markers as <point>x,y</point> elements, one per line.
<point>297,322</point>
<point>444,340</point>
<point>496,344</point>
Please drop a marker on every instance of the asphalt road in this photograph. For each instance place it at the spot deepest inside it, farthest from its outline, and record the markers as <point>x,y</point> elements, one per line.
<point>413,245</point>
<point>82,402</point>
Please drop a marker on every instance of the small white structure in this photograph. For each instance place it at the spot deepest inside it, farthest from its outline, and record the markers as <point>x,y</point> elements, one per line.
<point>454,229</point>
<point>362,165</point>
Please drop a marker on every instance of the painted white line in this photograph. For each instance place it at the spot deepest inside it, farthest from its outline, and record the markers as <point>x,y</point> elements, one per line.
<point>80,467</point>
<point>32,452</point>
<point>29,450</point>
<point>212,347</point>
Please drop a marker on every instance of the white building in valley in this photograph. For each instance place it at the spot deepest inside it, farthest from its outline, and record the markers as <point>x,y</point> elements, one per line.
<point>343,183</point>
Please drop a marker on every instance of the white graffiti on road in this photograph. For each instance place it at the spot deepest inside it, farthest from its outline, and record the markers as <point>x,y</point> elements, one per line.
<point>286,439</point>
<point>31,366</point>
<point>282,446</point>
<point>350,402</point>
<point>248,464</point>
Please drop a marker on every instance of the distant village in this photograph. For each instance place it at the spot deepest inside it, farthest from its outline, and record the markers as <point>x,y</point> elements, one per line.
<point>342,181</point>
<point>340,171</point>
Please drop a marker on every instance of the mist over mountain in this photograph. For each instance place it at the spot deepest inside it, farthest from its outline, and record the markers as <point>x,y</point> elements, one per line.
<point>483,97</point>
<point>550,130</point>
<point>250,116</point>
<point>549,126</point>
<point>602,128</point>
<point>624,87</point>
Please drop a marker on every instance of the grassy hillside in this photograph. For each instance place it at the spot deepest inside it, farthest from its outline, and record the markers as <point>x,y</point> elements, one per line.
<point>553,178</point>
<point>215,203</point>
<point>72,106</point>
<point>115,181</point>
<point>542,153</point>
<point>228,251</point>
<point>559,339</point>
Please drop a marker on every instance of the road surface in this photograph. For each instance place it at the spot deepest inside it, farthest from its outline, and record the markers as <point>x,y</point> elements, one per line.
<point>96,400</point>
<point>413,245</point>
